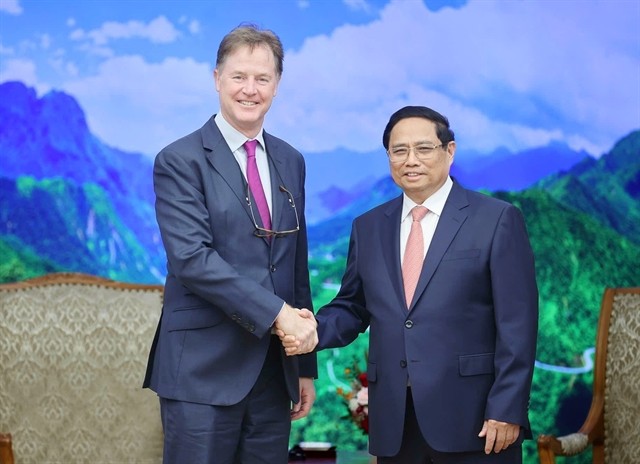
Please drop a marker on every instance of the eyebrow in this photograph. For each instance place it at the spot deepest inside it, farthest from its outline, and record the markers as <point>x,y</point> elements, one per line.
<point>419,142</point>
<point>244,73</point>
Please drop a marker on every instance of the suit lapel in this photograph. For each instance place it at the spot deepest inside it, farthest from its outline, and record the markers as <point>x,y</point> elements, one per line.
<point>453,216</point>
<point>390,238</point>
<point>277,174</point>
<point>222,160</point>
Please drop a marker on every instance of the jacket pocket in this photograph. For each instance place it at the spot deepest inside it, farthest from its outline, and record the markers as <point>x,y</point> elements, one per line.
<point>476,364</point>
<point>198,317</point>
<point>461,254</point>
<point>372,372</point>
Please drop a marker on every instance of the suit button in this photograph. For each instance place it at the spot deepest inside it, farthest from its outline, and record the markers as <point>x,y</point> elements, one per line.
<point>403,363</point>
<point>408,324</point>
<point>273,269</point>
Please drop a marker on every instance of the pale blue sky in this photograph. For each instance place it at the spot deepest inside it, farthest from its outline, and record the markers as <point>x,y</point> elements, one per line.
<point>507,73</point>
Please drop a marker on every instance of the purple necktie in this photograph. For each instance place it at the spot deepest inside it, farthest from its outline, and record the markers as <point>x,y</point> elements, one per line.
<point>255,185</point>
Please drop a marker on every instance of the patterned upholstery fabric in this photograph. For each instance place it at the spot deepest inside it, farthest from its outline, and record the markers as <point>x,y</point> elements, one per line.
<point>73,350</point>
<point>612,426</point>
<point>622,385</point>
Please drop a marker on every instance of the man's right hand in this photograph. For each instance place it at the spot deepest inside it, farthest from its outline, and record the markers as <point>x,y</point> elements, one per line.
<point>300,325</point>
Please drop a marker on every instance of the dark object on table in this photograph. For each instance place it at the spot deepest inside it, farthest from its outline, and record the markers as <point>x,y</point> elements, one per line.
<point>302,452</point>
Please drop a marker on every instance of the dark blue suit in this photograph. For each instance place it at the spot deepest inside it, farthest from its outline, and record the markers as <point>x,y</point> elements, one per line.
<point>467,343</point>
<point>224,286</point>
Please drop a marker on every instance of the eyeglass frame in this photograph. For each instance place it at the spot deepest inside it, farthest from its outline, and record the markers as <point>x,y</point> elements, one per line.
<point>414,148</point>
<point>268,233</point>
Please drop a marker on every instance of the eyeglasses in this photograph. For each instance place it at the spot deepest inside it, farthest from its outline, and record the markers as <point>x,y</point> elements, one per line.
<point>423,152</point>
<point>266,233</point>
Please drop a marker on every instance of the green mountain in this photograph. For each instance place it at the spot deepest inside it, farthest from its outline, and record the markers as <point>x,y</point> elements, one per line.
<point>607,189</point>
<point>48,138</point>
<point>576,258</point>
<point>57,224</point>
<point>20,262</point>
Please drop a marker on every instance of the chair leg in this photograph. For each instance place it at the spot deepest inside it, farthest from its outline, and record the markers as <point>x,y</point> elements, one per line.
<point>546,455</point>
<point>6,451</point>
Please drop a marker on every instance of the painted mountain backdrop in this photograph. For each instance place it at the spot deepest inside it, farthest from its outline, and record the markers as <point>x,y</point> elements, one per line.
<point>51,161</point>
<point>69,202</point>
<point>69,199</point>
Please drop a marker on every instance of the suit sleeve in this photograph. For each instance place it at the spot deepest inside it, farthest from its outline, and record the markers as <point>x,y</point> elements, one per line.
<point>345,317</point>
<point>515,298</point>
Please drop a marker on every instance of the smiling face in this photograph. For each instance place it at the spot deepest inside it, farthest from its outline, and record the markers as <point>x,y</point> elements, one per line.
<point>420,179</point>
<point>246,83</point>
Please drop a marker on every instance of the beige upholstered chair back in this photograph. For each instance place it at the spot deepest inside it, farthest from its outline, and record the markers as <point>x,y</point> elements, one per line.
<point>622,382</point>
<point>73,351</point>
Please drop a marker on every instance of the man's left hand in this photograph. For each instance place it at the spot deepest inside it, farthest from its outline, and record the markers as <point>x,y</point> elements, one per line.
<point>499,435</point>
<point>307,397</point>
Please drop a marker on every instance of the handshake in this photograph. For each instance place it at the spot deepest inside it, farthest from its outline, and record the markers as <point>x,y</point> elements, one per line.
<point>297,330</point>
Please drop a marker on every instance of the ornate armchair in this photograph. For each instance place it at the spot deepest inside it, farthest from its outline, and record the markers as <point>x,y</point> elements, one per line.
<point>612,426</point>
<point>73,350</point>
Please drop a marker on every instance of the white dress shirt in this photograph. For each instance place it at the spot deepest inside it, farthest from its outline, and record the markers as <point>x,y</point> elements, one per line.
<point>435,205</point>
<point>236,140</point>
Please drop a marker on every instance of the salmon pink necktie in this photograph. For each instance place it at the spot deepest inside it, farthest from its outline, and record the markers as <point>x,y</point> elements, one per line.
<point>255,185</point>
<point>413,254</point>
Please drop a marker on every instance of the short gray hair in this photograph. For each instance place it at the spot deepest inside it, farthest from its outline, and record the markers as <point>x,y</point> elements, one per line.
<point>252,36</point>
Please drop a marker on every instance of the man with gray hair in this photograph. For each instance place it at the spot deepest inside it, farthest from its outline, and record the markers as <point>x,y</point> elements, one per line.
<point>230,206</point>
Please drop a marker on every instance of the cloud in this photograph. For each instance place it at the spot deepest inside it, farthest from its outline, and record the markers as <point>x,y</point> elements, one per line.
<point>45,41</point>
<point>19,70</point>
<point>11,7</point>
<point>513,74</point>
<point>358,5</point>
<point>487,58</point>
<point>193,25</point>
<point>143,106</point>
<point>4,50</point>
<point>158,30</point>
<point>58,62</point>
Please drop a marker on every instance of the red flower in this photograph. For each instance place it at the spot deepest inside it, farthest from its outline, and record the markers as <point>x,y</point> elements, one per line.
<point>364,424</point>
<point>357,399</point>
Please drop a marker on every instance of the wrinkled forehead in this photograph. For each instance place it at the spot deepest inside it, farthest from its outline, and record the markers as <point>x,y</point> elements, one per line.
<point>254,54</point>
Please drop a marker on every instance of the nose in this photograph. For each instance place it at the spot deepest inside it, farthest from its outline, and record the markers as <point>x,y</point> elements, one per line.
<point>412,158</point>
<point>249,86</point>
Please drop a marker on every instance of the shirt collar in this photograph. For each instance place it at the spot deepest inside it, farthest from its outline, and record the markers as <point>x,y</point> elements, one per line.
<point>435,203</point>
<point>234,138</point>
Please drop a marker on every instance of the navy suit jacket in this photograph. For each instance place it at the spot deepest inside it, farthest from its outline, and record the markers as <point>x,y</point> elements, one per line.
<point>467,343</point>
<point>224,285</point>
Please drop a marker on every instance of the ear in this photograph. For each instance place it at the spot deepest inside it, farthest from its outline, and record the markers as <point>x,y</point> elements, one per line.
<point>275,89</point>
<point>216,79</point>
<point>451,151</point>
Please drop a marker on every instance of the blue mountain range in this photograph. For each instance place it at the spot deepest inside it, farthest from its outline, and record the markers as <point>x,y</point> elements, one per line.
<point>50,157</point>
<point>45,144</point>
<point>331,186</point>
